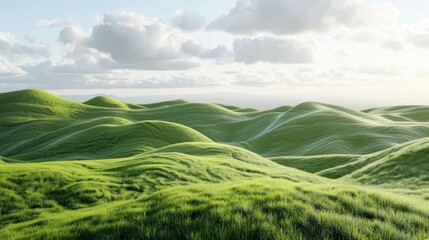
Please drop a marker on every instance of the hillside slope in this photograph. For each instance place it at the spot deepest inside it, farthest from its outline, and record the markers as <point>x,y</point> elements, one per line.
<point>262,209</point>
<point>104,138</point>
<point>405,165</point>
<point>303,130</point>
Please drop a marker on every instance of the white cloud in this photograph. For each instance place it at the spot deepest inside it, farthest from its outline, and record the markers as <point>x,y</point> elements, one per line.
<point>361,35</point>
<point>418,34</point>
<point>11,49</point>
<point>134,51</point>
<point>138,42</point>
<point>268,49</point>
<point>394,45</point>
<point>131,38</point>
<point>72,34</point>
<point>188,21</point>
<point>49,75</point>
<point>127,41</point>
<point>291,16</point>
<point>56,22</point>
<point>193,48</point>
<point>373,68</point>
<point>7,69</point>
<point>75,40</point>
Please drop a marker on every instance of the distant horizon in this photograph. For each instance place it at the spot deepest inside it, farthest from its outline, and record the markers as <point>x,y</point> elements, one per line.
<point>257,101</point>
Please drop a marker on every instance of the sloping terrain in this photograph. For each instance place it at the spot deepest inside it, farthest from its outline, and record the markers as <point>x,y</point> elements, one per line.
<point>105,169</point>
<point>307,129</point>
<point>404,165</point>
<point>104,138</point>
<point>261,209</point>
<point>103,101</point>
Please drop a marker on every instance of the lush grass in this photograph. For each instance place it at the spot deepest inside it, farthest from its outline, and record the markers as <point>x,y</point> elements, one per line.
<point>306,129</point>
<point>263,209</point>
<point>73,184</point>
<point>106,169</point>
<point>104,138</point>
<point>404,165</point>
<point>103,101</point>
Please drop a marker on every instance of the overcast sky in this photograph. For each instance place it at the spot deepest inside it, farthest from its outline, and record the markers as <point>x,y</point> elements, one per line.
<point>355,52</point>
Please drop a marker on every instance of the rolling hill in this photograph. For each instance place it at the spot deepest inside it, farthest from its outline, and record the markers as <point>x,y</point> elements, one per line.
<point>106,169</point>
<point>404,165</point>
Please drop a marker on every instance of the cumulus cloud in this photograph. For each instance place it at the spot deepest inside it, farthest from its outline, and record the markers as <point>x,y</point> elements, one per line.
<point>72,34</point>
<point>75,40</point>
<point>188,21</point>
<point>195,49</point>
<point>274,50</point>
<point>139,42</point>
<point>292,17</point>
<point>131,38</point>
<point>10,48</point>
<point>130,41</point>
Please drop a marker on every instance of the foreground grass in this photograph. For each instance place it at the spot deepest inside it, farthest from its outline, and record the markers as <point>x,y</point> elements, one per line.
<point>263,209</point>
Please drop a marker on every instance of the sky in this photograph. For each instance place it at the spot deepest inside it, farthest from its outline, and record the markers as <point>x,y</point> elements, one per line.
<point>260,53</point>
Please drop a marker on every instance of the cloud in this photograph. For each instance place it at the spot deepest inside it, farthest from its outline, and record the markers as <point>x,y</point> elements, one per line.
<point>274,50</point>
<point>75,40</point>
<point>373,68</point>
<point>49,75</point>
<point>130,41</point>
<point>195,49</point>
<point>72,34</point>
<point>417,34</point>
<point>361,35</point>
<point>131,38</point>
<point>169,65</point>
<point>139,42</point>
<point>12,49</point>
<point>293,17</point>
<point>40,75</point>
<point>56,22</point>
<point>394,45</point>
<point>188,21</point>
<point>8,69</point>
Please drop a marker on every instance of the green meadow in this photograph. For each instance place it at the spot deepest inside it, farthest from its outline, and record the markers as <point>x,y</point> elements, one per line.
<point>106,169</point>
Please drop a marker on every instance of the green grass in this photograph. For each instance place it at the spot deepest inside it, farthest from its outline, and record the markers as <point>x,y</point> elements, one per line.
<point>103,101</point>
<point>104,138</point>
<point>105,169</point>
<point>404,165</point>
<point>263,209</point>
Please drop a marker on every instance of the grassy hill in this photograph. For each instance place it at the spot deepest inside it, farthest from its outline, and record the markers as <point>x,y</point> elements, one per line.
<point>404,165</point>
<point>103,101</point>
<point>307,129</point>
<point>262,209</point>
<point>104,138</point>
<point>105,169</point>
